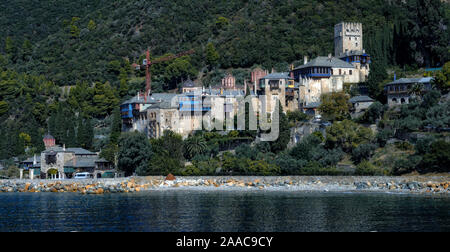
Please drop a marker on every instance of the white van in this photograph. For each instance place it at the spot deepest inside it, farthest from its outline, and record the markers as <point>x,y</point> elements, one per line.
<point>82,175</point>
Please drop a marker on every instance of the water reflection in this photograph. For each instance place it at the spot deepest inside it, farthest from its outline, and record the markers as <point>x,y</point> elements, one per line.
<point>223,211</point>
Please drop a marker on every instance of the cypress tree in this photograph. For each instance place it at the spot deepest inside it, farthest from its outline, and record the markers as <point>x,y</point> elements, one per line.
<point>116,126</point>
<point>89,134</point>
<point>80,131</point>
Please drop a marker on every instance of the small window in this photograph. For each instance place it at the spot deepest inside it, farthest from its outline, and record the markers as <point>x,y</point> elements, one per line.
<point>350,72</point>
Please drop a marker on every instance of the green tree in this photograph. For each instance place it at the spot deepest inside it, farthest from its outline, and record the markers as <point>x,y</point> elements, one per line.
<point>27,50</point>
<point>284,132</point>
<point>88,134</point>
<point>74,30</point>
<point>11,49</point>
<point>116,126</point>
<point>168,156</point>
<point>442,79</point>
<point>438,159</point>
<point>194,146</point>
<point>212,56</point>
<point>347,135</point>
<point>3,108</point>
<point>91,25</point>
<point>135,152</point>
<point>104,100</point>
<point>335,106</point>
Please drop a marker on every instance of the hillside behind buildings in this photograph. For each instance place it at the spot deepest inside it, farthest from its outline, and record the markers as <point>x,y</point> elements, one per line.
<point>66,65</point>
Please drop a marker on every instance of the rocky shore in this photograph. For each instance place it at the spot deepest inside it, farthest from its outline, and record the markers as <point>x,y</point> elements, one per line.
<point>409,184</point>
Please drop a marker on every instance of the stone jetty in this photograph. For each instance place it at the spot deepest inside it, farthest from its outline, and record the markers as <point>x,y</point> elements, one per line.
<point>407,184</point>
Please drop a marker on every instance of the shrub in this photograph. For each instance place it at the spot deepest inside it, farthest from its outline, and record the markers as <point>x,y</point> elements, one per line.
<point>405,165</point>
<point>191,170</point>
<point>437,159</point>
<point>363,152</point>
<point>383,136</point>
<point>365,168</point>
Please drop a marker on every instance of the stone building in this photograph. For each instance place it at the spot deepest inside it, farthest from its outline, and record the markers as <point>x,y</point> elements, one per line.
<point>320,76</point>
<point>360,104</point>
<point>400,91</point>
<point>278,87</point>
<point>347,37</point>
<point>190,86</point>
<point>229,82</point>
<point>256,75</point>
<point>348,46</point>
<point>57,162</point>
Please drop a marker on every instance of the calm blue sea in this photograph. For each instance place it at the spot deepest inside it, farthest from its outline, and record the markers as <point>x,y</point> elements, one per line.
<point>223,211</point>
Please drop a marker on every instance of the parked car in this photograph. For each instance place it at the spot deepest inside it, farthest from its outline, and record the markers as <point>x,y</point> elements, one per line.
<point>83,175</point>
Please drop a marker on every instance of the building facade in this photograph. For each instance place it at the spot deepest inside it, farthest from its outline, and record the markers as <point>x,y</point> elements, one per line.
<point>401,91</point>
<point>348,46</point>
<point>57,162</point>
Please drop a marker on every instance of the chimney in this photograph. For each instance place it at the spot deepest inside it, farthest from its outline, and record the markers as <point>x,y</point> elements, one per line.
<point>395,76</point>
<point>34,160</point>
<point>329,56</point>
<point>64,147</point>
<point>305,60</point>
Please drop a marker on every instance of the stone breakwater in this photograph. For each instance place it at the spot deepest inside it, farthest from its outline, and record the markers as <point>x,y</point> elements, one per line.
<point>410,184</point>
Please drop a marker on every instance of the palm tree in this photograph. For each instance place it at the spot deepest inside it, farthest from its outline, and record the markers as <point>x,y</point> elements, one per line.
<point>194,146</point>
<point>417,90</point>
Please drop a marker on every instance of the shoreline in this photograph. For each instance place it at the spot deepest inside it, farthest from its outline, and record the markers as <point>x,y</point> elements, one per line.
<point>403,184</point>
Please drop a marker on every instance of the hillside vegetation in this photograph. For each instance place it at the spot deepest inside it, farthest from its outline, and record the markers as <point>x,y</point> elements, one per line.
<point>65,65</point>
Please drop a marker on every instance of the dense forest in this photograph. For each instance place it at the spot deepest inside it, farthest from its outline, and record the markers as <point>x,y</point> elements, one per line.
<point>65,65</point>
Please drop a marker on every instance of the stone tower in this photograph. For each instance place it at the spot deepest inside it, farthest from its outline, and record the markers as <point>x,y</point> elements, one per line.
<point>347,37</point>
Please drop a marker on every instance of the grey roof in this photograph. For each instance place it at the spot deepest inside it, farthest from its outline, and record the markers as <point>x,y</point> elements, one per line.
<point>411,80</point>
<point>326,62</point>
<point>361,98</point>
<point>101,160</point>
<point>217,92</point>
<point>55,149</point>
<point>80,151</point>
<point>190,83</point>
<point>154,98</point>
<point>81,162</point>
<point>31,159</point>
<point>277,76</point>
<point>312,105</point>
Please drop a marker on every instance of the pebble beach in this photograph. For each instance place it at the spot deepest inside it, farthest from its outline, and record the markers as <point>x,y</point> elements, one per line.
<point>407,184</point>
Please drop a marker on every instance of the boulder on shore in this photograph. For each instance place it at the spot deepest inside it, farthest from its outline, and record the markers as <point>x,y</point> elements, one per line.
<point>170,177</point>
